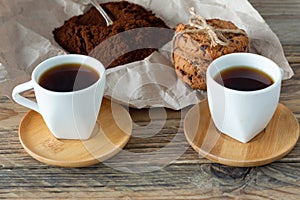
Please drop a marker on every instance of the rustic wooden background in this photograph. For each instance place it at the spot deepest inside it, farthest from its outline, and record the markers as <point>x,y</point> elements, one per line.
<point>188,177</point>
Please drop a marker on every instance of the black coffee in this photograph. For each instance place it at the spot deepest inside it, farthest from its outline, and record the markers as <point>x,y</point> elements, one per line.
<point>68,77</point>
<point>244,78</point>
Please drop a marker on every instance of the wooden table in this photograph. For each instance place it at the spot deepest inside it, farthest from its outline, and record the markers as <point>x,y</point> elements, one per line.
<point>187,177</point>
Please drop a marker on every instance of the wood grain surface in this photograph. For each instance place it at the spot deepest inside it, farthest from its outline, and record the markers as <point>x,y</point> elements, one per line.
<point>186,176</point>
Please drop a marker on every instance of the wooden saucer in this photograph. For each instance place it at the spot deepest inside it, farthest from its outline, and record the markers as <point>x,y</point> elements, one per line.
<point>277,140</point>
<point>112,132</point>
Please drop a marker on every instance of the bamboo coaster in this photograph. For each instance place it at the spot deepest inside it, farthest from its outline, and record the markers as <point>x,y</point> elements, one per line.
<point>111,134</point>
<point>277,140</point>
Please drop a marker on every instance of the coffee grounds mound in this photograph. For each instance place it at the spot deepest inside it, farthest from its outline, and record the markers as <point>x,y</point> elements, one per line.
<point>135,34</point>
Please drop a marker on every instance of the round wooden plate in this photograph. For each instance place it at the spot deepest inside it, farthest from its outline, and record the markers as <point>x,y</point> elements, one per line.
<point>111,134</point>
<point>277,140</point>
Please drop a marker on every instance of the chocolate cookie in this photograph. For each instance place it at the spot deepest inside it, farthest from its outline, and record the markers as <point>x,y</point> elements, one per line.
<point>193,51</point>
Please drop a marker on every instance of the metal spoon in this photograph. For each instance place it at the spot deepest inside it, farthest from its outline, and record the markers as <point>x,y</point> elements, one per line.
<point>102,12</point>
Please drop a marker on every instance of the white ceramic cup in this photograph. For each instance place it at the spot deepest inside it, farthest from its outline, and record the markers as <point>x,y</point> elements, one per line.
<point>242,114</point>
<point>68,115</point>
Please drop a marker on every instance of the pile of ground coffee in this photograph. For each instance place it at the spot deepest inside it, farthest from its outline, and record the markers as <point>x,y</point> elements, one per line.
<point>135,34</point>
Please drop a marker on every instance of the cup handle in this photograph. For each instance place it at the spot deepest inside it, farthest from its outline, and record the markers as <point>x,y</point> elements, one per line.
<point>22,100</point>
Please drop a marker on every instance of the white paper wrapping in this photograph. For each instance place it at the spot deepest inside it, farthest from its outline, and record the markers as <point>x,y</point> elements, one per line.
<point>26,39</point>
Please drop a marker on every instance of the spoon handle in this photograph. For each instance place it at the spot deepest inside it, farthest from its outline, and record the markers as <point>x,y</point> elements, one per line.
<point>102,12</point>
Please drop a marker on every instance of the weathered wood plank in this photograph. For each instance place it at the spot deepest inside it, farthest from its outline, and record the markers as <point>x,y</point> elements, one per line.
<point>292,54</point>
<point>175,181</point>
<point>277,7</point>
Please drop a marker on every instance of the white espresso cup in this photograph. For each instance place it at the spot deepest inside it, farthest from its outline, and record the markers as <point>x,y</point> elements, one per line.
<point>242,114</point>
<point>68,115</point>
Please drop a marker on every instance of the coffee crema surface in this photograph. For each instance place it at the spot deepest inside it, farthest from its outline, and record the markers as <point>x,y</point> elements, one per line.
<point>243,78</point>
<point>68,77</point>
